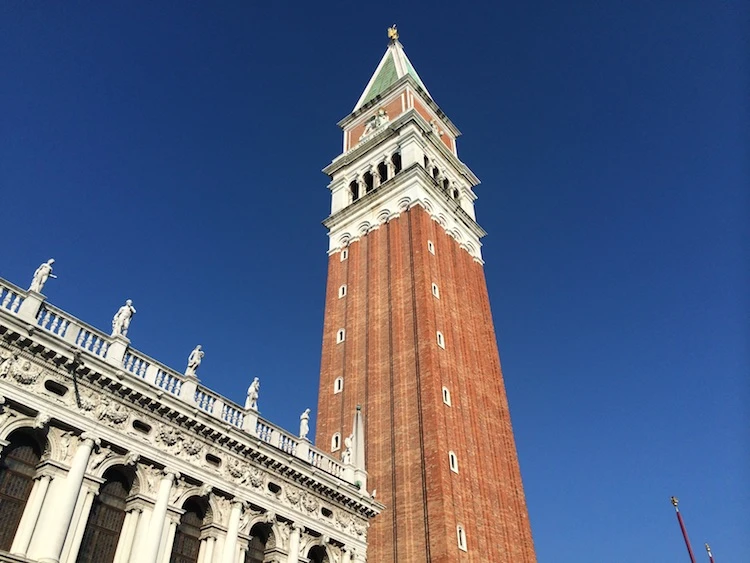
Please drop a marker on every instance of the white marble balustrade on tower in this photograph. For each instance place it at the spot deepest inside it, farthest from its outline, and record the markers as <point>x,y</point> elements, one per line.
<point>109,456</point>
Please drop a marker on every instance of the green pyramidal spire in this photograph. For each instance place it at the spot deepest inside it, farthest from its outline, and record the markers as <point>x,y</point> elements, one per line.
<point>393,66</point>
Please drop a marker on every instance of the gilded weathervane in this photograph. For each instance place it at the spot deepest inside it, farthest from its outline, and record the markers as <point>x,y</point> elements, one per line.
<point>393,33</point>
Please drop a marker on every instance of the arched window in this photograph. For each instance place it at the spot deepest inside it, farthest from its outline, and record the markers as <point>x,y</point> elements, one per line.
<point>105,520</point>
<point>336,442</point>
<point>256,549</point>
<point>369,182</point>
<point>435,173</point>
<point>318,554</point>
<point>187,538</point>
<point>430,247</point>
<point>435,290</point>
<point>383,172</point>
<point>446,185</point>
<point>17,470</point>
<point>396,160</point>
<point>426,162</point>
<point>354,190</point>
<point>344,254</point>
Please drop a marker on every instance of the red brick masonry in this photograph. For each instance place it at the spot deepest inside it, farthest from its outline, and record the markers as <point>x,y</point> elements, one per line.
<point>392,366</point>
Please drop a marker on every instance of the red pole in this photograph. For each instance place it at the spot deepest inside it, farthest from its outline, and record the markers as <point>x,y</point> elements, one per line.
<point>710,555</point>
<point>682,527</point>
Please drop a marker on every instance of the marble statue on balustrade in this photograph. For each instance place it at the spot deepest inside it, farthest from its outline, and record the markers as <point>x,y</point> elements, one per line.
<point>347,456</point>
<point>252,395</point>
<point>304,424</point>
<point>42,274</point>
<point>121,320</point>
<point>194,361</point>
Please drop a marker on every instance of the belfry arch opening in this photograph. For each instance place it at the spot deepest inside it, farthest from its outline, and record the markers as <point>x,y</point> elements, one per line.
<point>396,160</point>
<point>383,172</point>
<point>354,190</point>
<point>369,182</point>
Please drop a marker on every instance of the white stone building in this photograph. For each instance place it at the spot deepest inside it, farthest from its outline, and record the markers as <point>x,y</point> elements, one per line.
<point>110,456</point>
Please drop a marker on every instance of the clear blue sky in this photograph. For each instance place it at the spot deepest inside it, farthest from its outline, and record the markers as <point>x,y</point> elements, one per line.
<point>170,152</point>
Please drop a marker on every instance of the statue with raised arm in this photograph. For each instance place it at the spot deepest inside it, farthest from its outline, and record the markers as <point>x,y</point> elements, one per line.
<point>304,424</point>
<point>196,356</point>
<point>42,274</point>
<point>252,395</point>
<point>121,320</point>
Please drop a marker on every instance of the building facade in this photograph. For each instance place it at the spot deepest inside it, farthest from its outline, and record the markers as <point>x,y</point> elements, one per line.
<point>408,334</point>
<point>107,455</point>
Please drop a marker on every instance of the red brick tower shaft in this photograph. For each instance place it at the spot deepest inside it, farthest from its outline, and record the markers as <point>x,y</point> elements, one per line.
<point>408,335</point>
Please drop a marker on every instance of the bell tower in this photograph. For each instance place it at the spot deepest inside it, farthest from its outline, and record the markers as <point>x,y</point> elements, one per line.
<point>408,334</point>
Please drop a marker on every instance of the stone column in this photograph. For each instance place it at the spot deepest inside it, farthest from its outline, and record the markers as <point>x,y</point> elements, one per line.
<point>125,544</point>
<point>294,538</point>
<point>208,552</point>
<point>233,528</point>
<point>30,516</point>
<point>241,553</point>
<point>61,514</point>
<point>141,531</point>
<point>80,518</point>
<point>150,548</point>
<point>168,541</point>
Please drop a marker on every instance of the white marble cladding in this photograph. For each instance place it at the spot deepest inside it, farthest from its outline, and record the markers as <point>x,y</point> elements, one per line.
<point>142,413</point>
<point>442,186</point>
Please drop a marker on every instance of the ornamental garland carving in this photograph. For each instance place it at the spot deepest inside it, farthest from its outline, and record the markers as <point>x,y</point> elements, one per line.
<point>112,412</point>
<point>20,369</point>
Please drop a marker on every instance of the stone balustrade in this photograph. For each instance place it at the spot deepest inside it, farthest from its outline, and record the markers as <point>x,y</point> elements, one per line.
<point>33,308</point>
<point>11,296</point>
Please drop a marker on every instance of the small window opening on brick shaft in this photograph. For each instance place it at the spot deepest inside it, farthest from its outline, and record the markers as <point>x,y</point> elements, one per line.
<point>446,396</point>
<point>383,172</point>
<point>461,536</point>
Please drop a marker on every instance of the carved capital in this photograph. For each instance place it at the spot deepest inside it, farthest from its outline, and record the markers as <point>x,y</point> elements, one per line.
<point>41,420</point>
<point>88,438</point>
